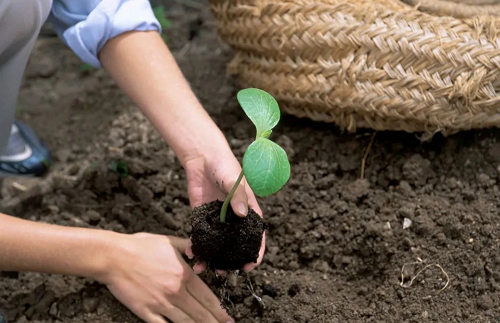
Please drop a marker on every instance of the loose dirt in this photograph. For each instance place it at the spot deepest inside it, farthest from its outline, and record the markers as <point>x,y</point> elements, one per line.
<point>336,244</point>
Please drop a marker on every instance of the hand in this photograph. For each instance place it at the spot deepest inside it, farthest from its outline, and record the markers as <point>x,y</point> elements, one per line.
<point>148,275</point>
<point>210,178</point>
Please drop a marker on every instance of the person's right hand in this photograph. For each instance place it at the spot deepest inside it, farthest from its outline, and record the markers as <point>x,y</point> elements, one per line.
<point>147,274</point>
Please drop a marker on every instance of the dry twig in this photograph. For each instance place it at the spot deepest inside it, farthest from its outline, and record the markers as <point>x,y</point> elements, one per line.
<point>363,161</point>
<point>402,284</point>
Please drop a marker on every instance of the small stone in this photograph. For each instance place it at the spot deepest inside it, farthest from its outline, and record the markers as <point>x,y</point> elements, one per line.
<point>425,314</point>
<point>101,309</point>
<point>232,280</point>
<point>53,310</point>
<point>90,304</point>
<point>406,223</point>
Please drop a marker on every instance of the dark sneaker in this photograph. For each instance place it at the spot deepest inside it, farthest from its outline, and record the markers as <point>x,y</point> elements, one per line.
<point>25,155</point>
<point>2,318</point>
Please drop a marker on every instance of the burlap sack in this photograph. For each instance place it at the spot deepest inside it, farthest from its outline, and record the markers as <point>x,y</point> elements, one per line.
<point>379,64</point>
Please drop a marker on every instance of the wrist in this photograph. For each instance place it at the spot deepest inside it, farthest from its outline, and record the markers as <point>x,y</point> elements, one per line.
<point>109,245</point>
<point>202,144</point>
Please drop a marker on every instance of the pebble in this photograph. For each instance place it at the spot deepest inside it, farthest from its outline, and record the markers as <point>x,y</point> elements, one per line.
<point>53,310</point>
<point>90,304</point>
<point>406,223</point>
<point>232,280</point>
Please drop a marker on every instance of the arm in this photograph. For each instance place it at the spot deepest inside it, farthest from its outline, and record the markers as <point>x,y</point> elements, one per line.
<point>30,246</point>
<point>145,69</point>
<point>145,272</point>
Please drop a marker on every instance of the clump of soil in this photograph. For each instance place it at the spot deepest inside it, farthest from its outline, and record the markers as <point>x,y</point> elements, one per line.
<point>228,245</point>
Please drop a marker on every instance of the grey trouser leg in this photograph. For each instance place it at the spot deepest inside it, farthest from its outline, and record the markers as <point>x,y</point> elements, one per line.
<point>20,23</point>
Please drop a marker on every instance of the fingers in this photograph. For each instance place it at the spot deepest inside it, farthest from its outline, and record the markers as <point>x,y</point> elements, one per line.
<point>189,250</point>
<point>239,202</point>
<point>177,315</point>
<point>180,244</point>
<point>154,318</point>
<point>204,296</point>
<point>251,266</point>
<point>186,302</point>
<point>252,201</point>
<point>199,267</point>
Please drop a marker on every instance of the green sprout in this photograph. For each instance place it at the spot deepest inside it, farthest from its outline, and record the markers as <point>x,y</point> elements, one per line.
<point>265,164</point>
<point>120,167</point>
<point>165,24</point>
<point>85,69</point>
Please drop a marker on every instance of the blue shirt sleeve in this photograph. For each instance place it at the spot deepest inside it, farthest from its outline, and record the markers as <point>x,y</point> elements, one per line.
<point>86,25</point>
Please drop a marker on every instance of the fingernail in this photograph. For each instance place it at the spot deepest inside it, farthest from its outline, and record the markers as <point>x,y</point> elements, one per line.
<point>243,209</point>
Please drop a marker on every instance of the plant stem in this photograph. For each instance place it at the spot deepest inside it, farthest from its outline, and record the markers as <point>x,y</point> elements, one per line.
<point>223,211</point>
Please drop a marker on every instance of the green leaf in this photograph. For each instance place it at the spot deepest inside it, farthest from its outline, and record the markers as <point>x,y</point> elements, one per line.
<point>85,68</point>
<point>266,167</point>
<point>261,108</point>
<point>159,13</point>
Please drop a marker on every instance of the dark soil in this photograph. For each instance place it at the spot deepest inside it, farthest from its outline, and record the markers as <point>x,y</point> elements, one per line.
<point>336,243</point>
<point>228,245</point>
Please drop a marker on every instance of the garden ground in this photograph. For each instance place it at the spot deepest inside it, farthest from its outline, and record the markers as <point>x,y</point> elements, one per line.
<point>336,243</point>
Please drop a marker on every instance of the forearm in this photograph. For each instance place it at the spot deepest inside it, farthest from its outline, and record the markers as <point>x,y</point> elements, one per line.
<point>144,68</point>
<point>38,247</point>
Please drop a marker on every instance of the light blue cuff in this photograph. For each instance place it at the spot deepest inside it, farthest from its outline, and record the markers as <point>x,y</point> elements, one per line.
<point>86,30</point>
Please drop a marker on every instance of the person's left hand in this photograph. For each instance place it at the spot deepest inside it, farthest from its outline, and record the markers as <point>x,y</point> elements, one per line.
<point>210,178</point>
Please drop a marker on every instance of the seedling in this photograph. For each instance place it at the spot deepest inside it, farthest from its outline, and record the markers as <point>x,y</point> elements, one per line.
<point>120,167</point>
<point>85,69</point>
<point>165,24</point>
<point>265,163</point>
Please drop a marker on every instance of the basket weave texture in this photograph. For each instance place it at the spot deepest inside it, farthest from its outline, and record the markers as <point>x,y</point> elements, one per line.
<point>379,64</point>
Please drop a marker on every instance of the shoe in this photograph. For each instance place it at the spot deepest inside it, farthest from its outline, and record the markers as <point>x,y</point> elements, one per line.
<point>2,318</point>
<point>26,155</point>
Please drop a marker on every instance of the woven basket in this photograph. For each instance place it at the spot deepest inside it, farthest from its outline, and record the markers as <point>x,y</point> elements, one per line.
<point>379,64</point>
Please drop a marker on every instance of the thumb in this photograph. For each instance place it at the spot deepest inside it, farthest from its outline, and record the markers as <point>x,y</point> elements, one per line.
<point>239,202</point>
<point>180,244</point>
